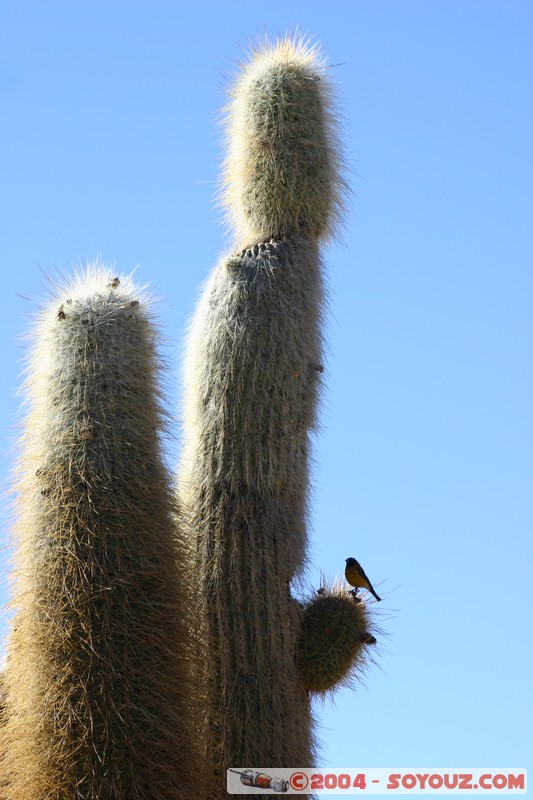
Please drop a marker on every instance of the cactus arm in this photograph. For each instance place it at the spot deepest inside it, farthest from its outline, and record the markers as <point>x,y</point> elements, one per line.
<point>96,691</point>
<point>252,381</point>
<point>284,169</point>
<point>252,387</point>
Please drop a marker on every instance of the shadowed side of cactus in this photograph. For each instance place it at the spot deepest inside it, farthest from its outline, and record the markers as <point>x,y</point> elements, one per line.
<point>252,378</point>
<point>96,691</point>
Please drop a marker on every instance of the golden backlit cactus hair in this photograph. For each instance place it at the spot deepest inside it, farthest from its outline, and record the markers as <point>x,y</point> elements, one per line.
<point>252,377</point>
<point>95,687</point>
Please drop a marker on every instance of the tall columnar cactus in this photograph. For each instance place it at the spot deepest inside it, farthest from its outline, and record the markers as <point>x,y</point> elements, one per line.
<point>96,692</point>
<point>252,377</point>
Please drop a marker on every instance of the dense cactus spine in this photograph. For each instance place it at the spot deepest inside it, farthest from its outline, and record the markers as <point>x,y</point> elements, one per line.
<point>283,171</point>
<point>334,630</point>
<point>252,381</point>
<point>253,366</point>
<point>252,378</point>
<point>95,685</point>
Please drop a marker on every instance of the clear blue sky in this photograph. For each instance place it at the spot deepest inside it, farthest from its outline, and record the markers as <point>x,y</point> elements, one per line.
<point>423,466</point>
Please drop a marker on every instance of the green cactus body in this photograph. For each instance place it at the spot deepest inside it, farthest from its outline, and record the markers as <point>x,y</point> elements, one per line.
<point>95,684</point>
<point>252,376</point>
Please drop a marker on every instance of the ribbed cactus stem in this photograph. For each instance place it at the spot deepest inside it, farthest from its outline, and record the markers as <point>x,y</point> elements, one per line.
<point>95,683</point>
<point>252,377</point>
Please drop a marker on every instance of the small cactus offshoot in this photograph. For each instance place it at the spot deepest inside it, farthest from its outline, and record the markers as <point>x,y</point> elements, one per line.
<point>333,634</point>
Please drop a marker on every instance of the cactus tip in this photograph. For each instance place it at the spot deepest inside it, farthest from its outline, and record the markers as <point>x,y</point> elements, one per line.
<point>283,172</point>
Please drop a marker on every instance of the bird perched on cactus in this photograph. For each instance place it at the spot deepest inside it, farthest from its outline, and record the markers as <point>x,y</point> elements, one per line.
<point>357,577</point>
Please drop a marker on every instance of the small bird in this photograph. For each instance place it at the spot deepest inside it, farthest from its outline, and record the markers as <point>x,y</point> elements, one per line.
<point>355,575</point>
